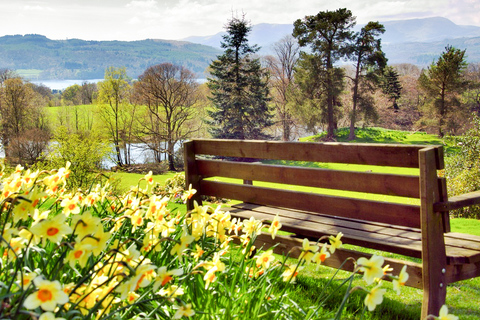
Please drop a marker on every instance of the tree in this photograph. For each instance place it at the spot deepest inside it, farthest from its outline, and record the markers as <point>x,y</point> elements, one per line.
<point>239,88</point>
<point>282,67</point>
<point>170,94</point>
<point>21,112</point>
<point>328,34</point>
<point>113,96</point>
<point>442,82</point>
<point>366,53</point>
<point>391,86</point>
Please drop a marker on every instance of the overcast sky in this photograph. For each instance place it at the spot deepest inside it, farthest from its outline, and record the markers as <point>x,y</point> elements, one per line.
<point>177,19</point>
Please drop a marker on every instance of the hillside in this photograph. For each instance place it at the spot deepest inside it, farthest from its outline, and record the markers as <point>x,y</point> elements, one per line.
<point>80,59</point>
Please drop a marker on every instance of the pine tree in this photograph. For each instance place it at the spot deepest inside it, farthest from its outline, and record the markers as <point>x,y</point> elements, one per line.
<point>239,88</point>
<point>391,86</point>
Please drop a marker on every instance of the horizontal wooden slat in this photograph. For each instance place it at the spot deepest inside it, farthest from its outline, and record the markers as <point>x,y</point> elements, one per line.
<point>457,202</point>
<point>354,153</point>
<point>378,183</point>
<point>453,240</point>
<point>385,212</point>
<point>288,245</point>
<point>390,238</point>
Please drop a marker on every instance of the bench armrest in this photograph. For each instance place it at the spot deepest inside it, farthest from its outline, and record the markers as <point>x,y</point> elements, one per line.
<point>457,202</point>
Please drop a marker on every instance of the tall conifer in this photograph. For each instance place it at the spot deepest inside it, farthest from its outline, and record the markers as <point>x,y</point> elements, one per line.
<point>239,88</point>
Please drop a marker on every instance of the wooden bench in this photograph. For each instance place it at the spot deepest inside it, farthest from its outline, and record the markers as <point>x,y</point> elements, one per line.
<point>420,229</point>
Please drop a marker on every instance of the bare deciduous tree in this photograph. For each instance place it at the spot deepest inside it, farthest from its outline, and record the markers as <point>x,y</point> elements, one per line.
<point>170,93</point>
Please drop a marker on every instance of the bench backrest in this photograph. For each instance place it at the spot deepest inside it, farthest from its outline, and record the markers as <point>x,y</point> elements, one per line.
<point>209,158</point>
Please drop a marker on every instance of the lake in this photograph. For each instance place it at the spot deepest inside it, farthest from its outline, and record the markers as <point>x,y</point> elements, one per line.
<point>63,84</point>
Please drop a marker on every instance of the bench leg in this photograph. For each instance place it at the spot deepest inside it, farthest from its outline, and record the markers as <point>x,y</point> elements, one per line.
<point>434,293</point>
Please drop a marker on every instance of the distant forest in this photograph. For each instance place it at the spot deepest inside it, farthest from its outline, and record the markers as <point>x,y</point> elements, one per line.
<point>80,59</point>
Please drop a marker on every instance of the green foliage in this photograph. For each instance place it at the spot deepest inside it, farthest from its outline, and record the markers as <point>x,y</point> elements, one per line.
<point>328,34</point>
<point>239,88</point>
<point>442,82</point>
<point>85,152</point>
<point>463,168</point>
<point>391,85</point>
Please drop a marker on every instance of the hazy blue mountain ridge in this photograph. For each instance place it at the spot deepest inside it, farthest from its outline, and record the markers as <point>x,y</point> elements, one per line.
<point>80,59</point>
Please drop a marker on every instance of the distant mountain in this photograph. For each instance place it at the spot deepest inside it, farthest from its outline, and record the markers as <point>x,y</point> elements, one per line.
<point>426,30</point>
<point>80,59</point>
<point>417,41</point>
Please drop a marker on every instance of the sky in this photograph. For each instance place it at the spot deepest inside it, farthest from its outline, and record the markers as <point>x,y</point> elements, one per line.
<point>177,19</point>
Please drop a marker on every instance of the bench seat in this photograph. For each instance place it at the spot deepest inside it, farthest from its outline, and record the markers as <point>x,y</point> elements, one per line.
<point>460,248</point>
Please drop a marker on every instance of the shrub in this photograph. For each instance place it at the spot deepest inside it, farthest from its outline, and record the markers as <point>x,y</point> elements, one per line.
<point>463,168</point>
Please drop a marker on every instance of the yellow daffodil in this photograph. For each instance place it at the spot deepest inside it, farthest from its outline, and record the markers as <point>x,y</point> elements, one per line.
<point>290,274</point>
<point>80,253</point>
<point>335,242</point>
<point>183,311</point>
<point>164,276</point>
<point>53,229</point>
<point>98,240</point>
<point>402,278</point>
<point>131,297</point>
<point>320,257</point>
<point>188,194</point>
<point>252,226</point>
<point>49,316</point>
<point>149,177</point>
<point>71,205</point>
<point>443,314</point>
<point>275,226</point>
<point>185,241</point>
<point>372,268</point>
<point>144,274</point>
<point>16,246</point>
<point>210,277</point>
<point>171,291</point>
<point>265,259</point>
<point>308,250</point>
<point>25,279</point>
<point>47,296</point>
<point>85,224</point>
<point>374,297</point>
<point>198,252</point>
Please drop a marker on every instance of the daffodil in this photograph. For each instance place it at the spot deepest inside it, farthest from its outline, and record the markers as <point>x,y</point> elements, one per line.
<point>25,279</point>
<point>185,241</point>
<point>49,316</point>
<point>80,253</point>
<point>252,226</point>
<point>308,250</point>
<point>171,291</point>
<point>320,257</point>
<point>85,224</point>
<point>402,279</point>
<point>47,296</point>
<point>198,252</point>
<point>290,274</point>
<point>71,205</point>
<point>53,229</point>
<point>372,268</point>
<point>188,194</point>
<point>335,242</point>
<point>443,314</point>
<point>265,259</point>
<point>149,177</point>
<point>183,311</point>
<point>275,226</point>
<point>164,276</point>
<point>374,297</point>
